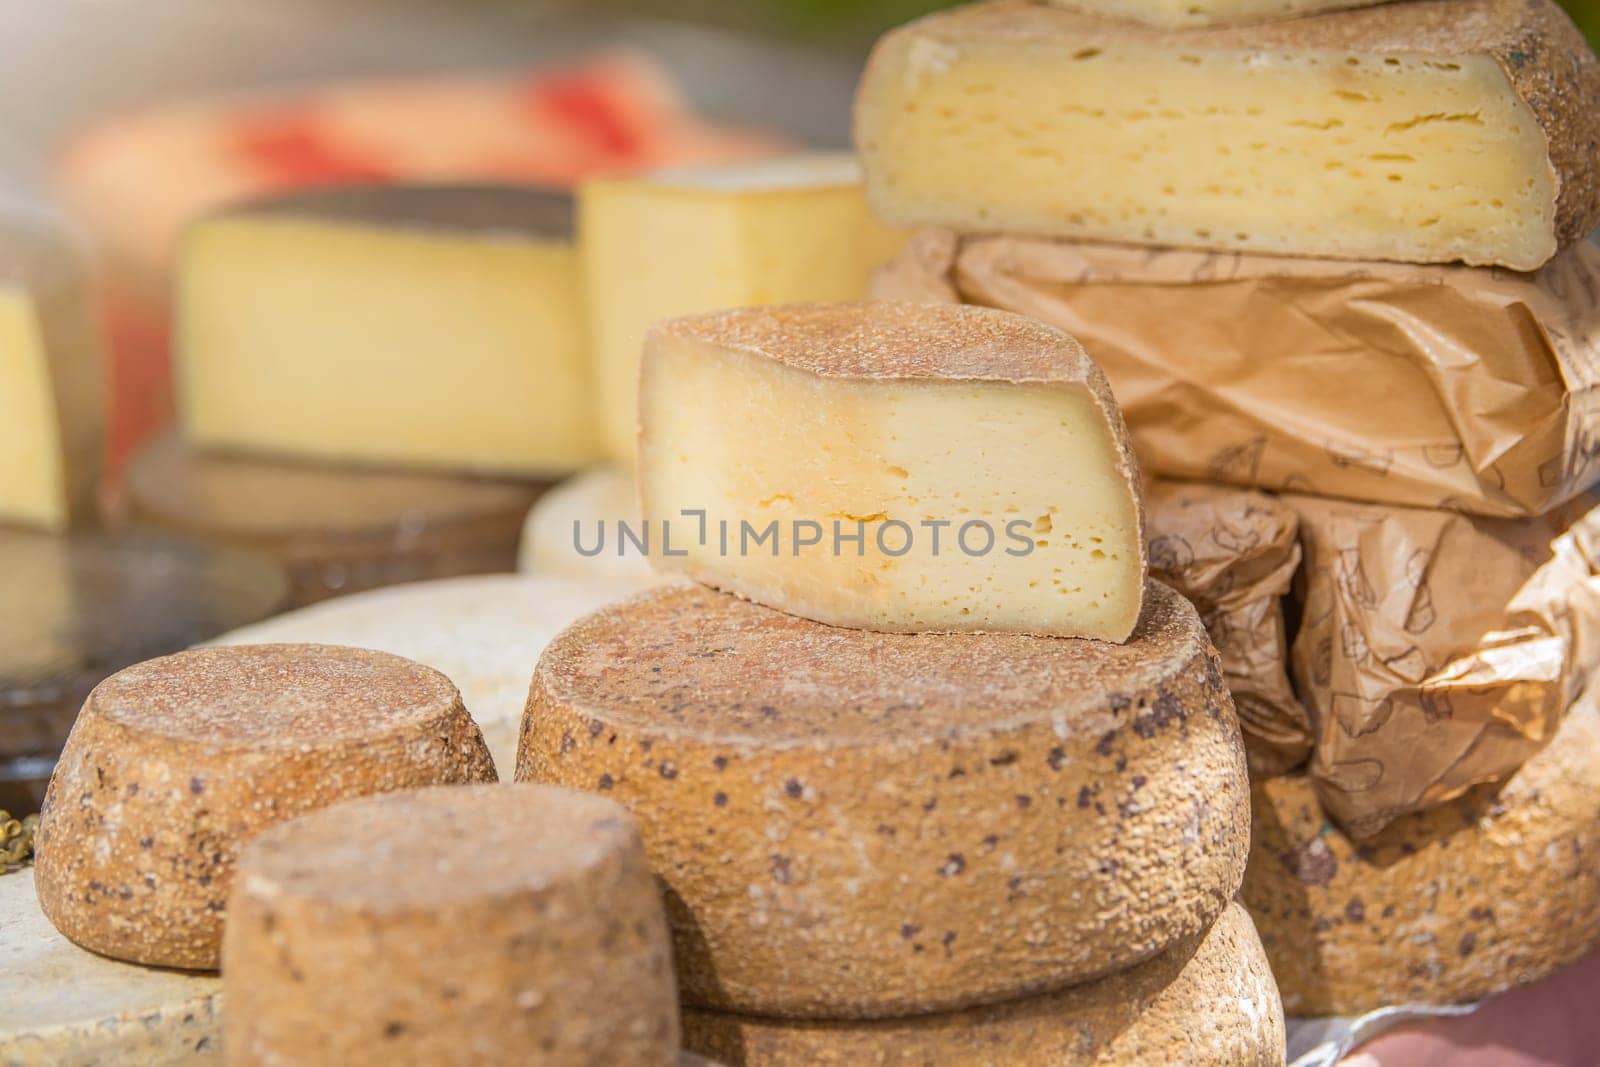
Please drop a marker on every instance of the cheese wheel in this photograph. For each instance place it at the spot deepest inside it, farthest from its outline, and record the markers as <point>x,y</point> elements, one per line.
<point>857,824</point>
<point>1209,1000</point>
<point>483,925</point>
<point>484,633</point>
<point>1188,14</point>
<point>564,528</point>
<point>1488,891</point>
<point>174,763</point>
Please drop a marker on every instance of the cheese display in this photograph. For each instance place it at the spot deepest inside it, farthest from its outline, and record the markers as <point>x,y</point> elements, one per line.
<point>175,763</point>
<point>576,529</point>
<point>1458,387</point>
<point>1185,14</point>
<point>856,824</point>
<point>336,529</point>
<point>1432,131</point>
<point>684,241</point>
<point>1210,1000</point>
<point>526,928</point>
<point>876,465</point>
<point>1234,554</point>
<point>1493,889</point>
<point>430,326</point>
<point>51,399</point>
<point>1438,652</point>
<point>65,1006</point>
<point>484,633</point>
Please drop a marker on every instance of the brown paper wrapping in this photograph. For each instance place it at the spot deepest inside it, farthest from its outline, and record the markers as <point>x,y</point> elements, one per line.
<point>1234,553</point>
<point>1474,389</point>
<point>1437,651</point>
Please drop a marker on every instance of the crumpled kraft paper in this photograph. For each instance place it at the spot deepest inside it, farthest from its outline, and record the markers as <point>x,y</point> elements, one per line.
<point>1234,553</point>
<point>1474,389</point>
<point>1437,651</point>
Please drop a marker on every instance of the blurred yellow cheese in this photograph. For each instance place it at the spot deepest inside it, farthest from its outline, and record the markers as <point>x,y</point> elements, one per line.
<point>51,398</point>
<point>681,242</point>
<point>432,327</point>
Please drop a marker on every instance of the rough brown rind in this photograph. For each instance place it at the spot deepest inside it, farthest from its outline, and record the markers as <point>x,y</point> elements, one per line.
<point>477,925</point>
<point>1491,890</point>
<point>1209,1000</point>
<point>855,824</point>
<point>174,763</point>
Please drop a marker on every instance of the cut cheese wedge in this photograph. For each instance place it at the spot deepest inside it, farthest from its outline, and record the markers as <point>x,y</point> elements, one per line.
<point>436,327</point>
<point>51,394</point>
<point>1426,131</point>
<point>492,925</point>
<point>1209,1001</point>
<point>683,241</point>
<point>1184,14</point>
<point>862,825</point>
<point>175,763</point>
<point>893,466</point>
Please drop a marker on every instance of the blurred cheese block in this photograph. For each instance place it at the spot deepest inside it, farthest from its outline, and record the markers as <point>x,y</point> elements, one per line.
<point>1494,889</point>
<point>68,1007</point>
<point>1210,1000</point>
<point>436,327</point>
<point>175,763</point>
<point>678,242</point>
<point>51,396</point>
<point>81,607</point>
<point>859,825</point>
<point>1427,131</point>
<point>571,519</point>
<point>915,430</point>
<point>487,925</point>
<point>337,529</point>
<point>1182,14</point>
<point>485,634</point>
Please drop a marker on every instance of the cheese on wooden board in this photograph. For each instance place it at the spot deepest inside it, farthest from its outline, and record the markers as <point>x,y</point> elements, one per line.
<point>1209,1000</point>
<point>480,925</point>
<point>1427,131</point>
<point>436,327</point>
<point>891,455</point>
<point>1185,14</point>
<point>1491,890</point>
<point>857,824</point>
<point>51,396</point>
<point>337,529</point>
<point>484,633</point>
<point>66,1007</point>
<point>575,529</point>
<point>175,763</point>
<point>683,241</point>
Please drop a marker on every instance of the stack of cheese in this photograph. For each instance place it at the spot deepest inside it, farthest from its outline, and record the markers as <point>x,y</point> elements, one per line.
<point>1449,610</point>
<point>930,769</point>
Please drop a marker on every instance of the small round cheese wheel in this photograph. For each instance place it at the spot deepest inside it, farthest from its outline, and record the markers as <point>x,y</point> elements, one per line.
<point>859,824</point>
<point>481,925</point>
<point>174,763</point>
<point>569,517</point>
<point>1490,890</point>
<point>1209,1000</point>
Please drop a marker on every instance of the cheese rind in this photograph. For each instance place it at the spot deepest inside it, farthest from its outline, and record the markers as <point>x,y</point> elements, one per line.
<point>1184,14</point>
<point>433,326</point>
<point>1494,889</point>
<point>1209,1000</point>
<point>51,393</point>
<point>684,241</point>
<point>1428,131</point>
<point>854,824</point>
<point>175,763</point>
<point>894,424</point>
<point>469,925</point>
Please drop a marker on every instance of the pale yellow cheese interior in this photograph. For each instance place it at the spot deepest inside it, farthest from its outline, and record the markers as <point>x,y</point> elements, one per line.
<point>33,477</point>
<point>751,441</point>
<point>676,243</point>
<point>354,342</point>
<point>1180,13</point>
<point>1311,153</point>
